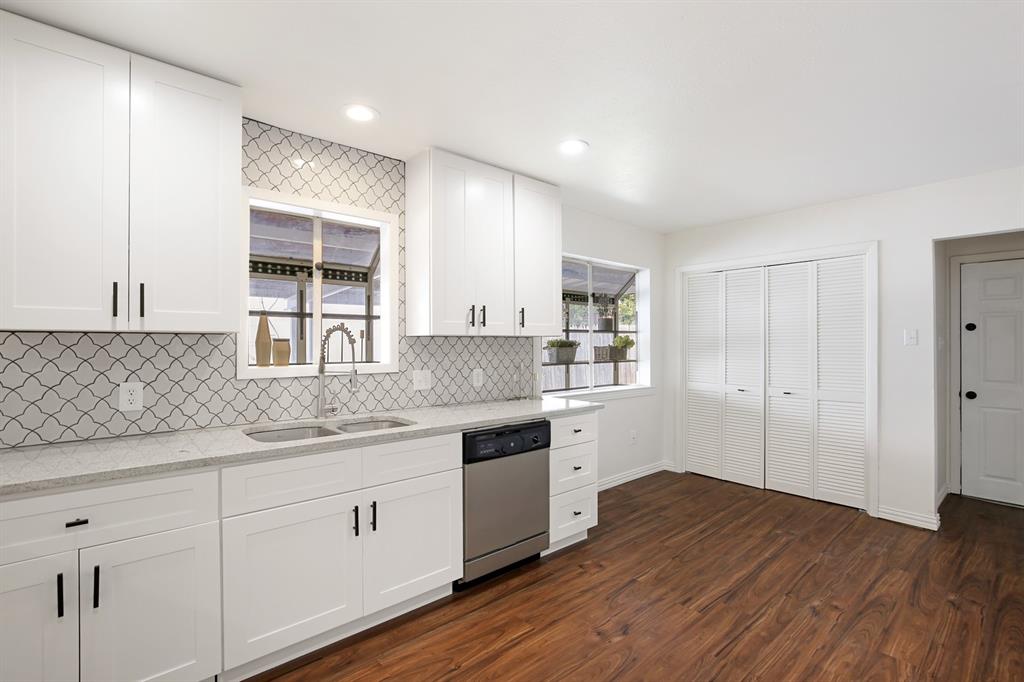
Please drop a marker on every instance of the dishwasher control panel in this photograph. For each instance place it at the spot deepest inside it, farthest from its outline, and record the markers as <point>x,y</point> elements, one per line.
<point>485,444</point>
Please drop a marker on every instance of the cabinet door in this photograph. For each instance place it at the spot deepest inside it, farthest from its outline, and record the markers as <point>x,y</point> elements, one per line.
<point>453,280</point>
<point>538,258</point>
<point>290,573</point>
<point>704,373</point>
<point>39,619</point>
<point>150,607</point>
<point>413,539</point>
<point>186,193</point>
<point>492,249</point>
<point>63,180</point>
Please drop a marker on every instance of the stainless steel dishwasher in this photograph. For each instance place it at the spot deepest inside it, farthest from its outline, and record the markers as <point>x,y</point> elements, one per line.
<point>506,489</point>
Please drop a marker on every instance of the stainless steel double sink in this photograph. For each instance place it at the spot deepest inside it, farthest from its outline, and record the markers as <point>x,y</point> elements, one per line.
<point>289,433</point>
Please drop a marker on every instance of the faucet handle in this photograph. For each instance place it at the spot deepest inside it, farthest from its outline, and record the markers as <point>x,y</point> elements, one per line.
<point>331,410</point>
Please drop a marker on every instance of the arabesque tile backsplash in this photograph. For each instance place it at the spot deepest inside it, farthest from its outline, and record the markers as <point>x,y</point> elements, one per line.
<point>57,387</point>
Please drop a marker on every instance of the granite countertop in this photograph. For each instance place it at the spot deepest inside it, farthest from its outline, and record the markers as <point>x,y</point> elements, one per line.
<point>49,467</point>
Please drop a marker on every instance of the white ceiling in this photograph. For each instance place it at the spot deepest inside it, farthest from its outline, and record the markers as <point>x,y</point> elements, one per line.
<point>696,112</point>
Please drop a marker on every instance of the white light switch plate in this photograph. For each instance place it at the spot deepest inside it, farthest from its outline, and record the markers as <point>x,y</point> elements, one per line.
<point>421,379</point>
<point>129,396</point>
<point>909,337</point>
<point>478,378</point>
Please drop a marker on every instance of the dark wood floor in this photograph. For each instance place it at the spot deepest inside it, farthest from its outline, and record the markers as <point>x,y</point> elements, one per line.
<point>692,578</point>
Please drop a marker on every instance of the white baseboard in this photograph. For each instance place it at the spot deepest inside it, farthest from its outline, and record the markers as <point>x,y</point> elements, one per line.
<point>927,521</point>
<point>941,496</point>
<point>633,474</point>
<point>565,542</point>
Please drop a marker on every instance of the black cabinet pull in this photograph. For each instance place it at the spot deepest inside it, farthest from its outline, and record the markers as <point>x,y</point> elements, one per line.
<point>970,326</point>
<point>60,595</point>
<point>355,526</point>
<point>115,299</point>
<point>577,468</point>
<point>373,515</point>
<point>787,393</point>
<point>522,317</point>
<point>742,390</point>
<point>576,513</point>
<point>142,299</point>
<point>483,316</point>
<point>970,395</point>
<point>76,522</point>
<point>472,316</point>
<point>95,587</point>
<point>577,430</point>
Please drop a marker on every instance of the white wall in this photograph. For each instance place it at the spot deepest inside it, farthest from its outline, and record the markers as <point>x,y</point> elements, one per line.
<point>905,223</point>
<point>593,236</point>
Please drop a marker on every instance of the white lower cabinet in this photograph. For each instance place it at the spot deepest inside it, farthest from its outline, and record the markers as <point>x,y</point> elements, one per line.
<point>414,542</point>
<point>150,607</point>
<point>39,619</point>
<point>290,573</point>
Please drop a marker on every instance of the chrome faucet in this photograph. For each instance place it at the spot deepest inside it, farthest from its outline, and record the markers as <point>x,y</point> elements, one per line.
<point>322,410</point>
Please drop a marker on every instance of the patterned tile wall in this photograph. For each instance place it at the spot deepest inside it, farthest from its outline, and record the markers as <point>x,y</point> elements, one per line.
<point>57,387</point>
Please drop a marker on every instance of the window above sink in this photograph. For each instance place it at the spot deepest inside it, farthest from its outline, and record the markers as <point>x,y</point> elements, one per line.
<point>312,264</point>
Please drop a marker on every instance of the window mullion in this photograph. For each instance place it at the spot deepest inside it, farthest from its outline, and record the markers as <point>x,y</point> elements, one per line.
<point>590,325</point>
<point>318,284</point>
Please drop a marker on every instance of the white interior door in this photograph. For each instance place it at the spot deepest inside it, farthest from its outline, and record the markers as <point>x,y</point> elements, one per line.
<point>992,380</point>
<point>290,573</point>
<point>150,607</point>
<point>63,180</point>
<point>413,539</point>
<point>743,422</point>
<point>39,619</point>
<point>788,431</point>
<point>705,372</point>
<point>538,258</point>
<point>186,141</point>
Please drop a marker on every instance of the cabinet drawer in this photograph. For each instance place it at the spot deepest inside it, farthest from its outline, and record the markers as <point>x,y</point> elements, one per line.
<point>572,430</point>
<point>252,487</point>
<point>573,467</point>
<point>573,512</point>
<point>400,460</point>
<point>38,526</point>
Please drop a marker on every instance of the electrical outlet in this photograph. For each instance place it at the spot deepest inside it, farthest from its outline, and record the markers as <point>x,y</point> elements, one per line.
<point>478,378</point>
<point>421,379</point>
<point>632,436</point>
<point>129,397</point>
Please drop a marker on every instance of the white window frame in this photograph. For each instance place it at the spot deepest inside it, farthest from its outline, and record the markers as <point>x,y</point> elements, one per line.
<point>386,343</point>
<point>644,346</point>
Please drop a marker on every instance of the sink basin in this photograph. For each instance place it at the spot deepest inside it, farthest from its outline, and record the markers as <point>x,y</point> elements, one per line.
<point>370,425</point>
<point>293,433</point>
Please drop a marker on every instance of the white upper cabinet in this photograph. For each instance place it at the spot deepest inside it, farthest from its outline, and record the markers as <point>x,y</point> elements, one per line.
<point>186,142</point>
<point>481,247</point>
<point>63,180</point>
<point>538,258</point>
<point>75,115</point>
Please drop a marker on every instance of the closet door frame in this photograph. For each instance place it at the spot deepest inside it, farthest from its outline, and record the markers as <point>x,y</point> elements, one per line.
<point>869,250</point>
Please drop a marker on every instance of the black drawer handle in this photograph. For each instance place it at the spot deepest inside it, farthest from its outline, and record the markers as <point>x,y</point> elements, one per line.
<point>576,513</point>
<point>142,299</point>
<point>355,526</point>
<point>970,395</point>
<point>577,430</point>
<point>742,390</point>
<point>115,299</point>
<point>472,316</point>
<point>522,317</point>
<point>95,587</point>
<point>787,393</point>
<point>577,468</point>
<point>483,316</point>
<point>373,515</point>
<point>76,522</point>
<point>60,595</point>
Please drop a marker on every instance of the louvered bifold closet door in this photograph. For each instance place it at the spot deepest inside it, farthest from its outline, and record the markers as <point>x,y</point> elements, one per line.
<point>743,423</point>
<point>703,301</point>
<point>789,461</point>
<point>840,429</point>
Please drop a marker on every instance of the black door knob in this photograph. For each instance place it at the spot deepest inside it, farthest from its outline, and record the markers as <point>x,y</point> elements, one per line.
<point>970,395</point>
<point>970,326</point>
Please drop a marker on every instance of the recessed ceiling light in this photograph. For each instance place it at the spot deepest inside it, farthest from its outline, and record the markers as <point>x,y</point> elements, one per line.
<point>361,113</point>
<point>573,147</point>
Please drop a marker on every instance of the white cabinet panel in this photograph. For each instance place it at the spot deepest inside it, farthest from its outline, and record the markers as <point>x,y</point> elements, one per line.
<point>573,512</point>
<point>538,258</point>
<point>413,538</point>
<point>150,607</point>
<point>580,428</point>
<point>289,574</point>
<point>573,467</point>
<point>492,249</point>
<point>390,462</point>
<point>251,487</point>
<point>39,620</point>
<point>450,292</point>
<point>186,192</point>
<point>63,180</point>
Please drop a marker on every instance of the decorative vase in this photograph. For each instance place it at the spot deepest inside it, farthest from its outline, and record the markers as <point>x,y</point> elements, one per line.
<point>263,342</point>
<point>562,356</point>
<point>605,324</point>
<point>282,352</point>
<point>616,353</point>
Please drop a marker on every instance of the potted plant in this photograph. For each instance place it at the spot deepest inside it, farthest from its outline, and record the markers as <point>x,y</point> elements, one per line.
<point>561,351</point>
<point>619,350</point>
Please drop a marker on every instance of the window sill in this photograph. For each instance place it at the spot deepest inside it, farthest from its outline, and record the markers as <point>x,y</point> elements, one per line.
<point>606,393</point>
<point>249,372</point>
